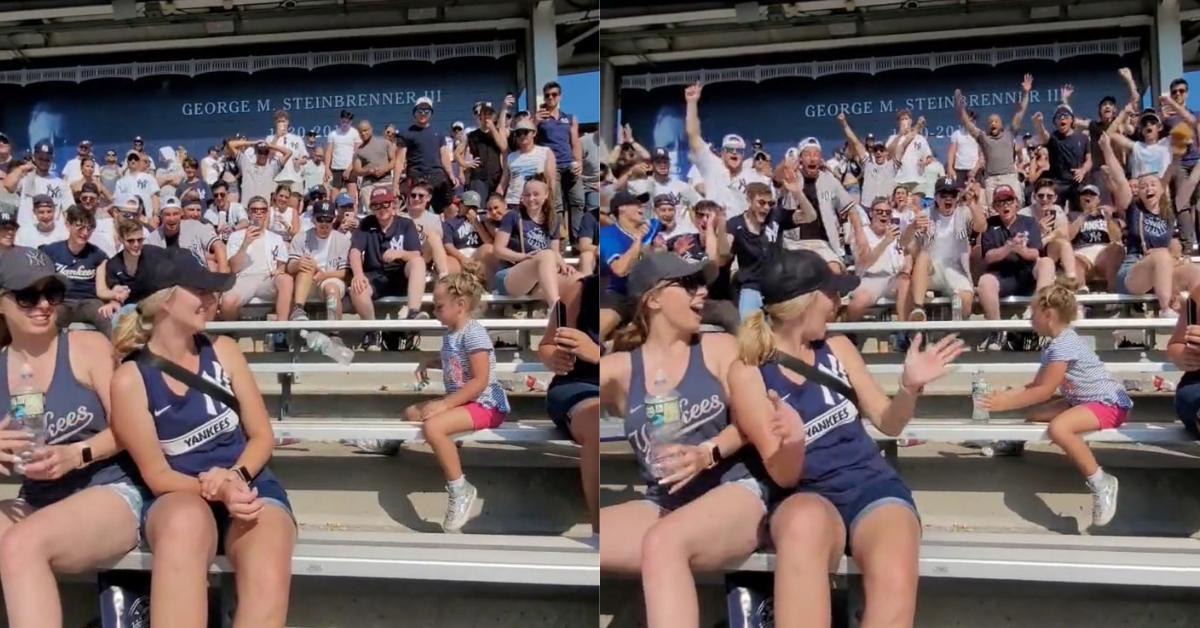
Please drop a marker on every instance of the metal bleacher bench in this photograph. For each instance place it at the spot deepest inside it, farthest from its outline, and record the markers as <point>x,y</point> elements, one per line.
<point>554,561</point>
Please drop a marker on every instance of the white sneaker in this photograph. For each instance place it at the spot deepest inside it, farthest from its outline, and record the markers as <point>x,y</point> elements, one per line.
<point>458,508</point>
<point>1104,501</point>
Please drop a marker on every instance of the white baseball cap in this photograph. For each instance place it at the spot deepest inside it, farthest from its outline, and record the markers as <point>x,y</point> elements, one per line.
<point>423,101</point>
<point>810,142</point>
<point>733,141</point>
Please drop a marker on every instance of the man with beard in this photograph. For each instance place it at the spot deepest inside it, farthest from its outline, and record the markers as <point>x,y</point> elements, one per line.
<point>424,156</point>
<point>831,202</point>
<point>33,178</point>
<point>662,183</point>
<point>996,144</point>
<point>375,163</point>
<point>877,166</point>
<point>200,239</point>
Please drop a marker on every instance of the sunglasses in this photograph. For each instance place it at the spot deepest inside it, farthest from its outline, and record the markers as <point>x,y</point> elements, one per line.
<point>258,208</point>
<point>220,195</point>
<point>1046,196</point>
<point>1179,91</point>
<point>28,298</point>
<point>82,227</point>
<point>424,111</point>
<point>134,240</point>
<point>552,94</point>
<point>733,151</point>
<point>691,284</point>
<point>380,207</point>
<point>323,220</point>
<point>88,197</point>
<point>418,195</point>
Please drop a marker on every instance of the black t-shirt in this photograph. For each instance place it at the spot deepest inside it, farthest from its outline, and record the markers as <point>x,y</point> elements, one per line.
<point>461,233</point>
<point>423,149</point>
<point>589,226</point>
<point>1096,129</point>
<point>589,323</point>
<point>372,241</point>
<point>750,248</point>
<point>1067,152</point>
<point>116,273</point>
<point>998,235</point>
<point>814,230</point>
<point>1094,230</point>
<point>483,147</point>
<point>78,268</point>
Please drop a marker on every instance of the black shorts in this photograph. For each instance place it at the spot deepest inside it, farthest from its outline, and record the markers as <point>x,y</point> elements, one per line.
<point>337,180</point>
<point>389,283</point>
<point>1019,284</point>
<point>617,302</point>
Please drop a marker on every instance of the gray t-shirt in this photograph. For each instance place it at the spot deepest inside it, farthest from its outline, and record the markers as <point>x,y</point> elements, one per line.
<point>591,161</point>
<point>173,170</point>
<point>258,180</point>
<point>997,153</point>
<point>193,235</point>
<point>878,179</point>
<point>428,223</point>
<point>332,253</point>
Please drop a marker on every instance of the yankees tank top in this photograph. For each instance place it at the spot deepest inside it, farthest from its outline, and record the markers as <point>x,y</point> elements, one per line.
<point>704,410</point>
<point>74,414</point>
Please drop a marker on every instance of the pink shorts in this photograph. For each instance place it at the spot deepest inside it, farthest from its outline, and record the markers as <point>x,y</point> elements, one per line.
<point>1109,416</point>
<point>483,417</point>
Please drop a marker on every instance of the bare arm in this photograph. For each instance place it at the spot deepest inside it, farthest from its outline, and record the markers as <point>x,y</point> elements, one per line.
<point>1026,87</point>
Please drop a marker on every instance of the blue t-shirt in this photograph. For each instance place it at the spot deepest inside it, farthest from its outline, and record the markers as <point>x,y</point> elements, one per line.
<point>589,227</point>
<point>998,234</point>
<point>1145,231</point>
<point>461,233</point>
<point>457,347</point>
<point>535,238</point>
<point>373,241</point>
<point>555,134</point>
<point>78,268</point>
<point>1087,379</point>
<point>199,186</point>
<point>423,148</point>
<point>614,241</point>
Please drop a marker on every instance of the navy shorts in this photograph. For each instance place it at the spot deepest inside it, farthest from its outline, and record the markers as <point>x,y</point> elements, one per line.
<point>270,491</point>
<point>1187,407</point>
<point>562,398</point>
<point>856,504</point>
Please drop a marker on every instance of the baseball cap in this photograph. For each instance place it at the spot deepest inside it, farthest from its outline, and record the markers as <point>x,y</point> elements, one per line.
<point>664,199</point>
<point>471,198</point>
<point>43,200</point>
<point>323,209</point>
<point>124,200</point>
<point>44,149</point>
<point>945,184</point>
<point>1089,189</point>
<point>757,143</point>
<point>4,139</point>
<point>89,188</point>
<point>660,154</point>
<point>21,267</point>
<point>525,124</point>
<point>734,142</point>
<point>661,266</point>
<point>1149,113</point>
<point>343,200</point>
<point>8,217</point>
<point>423,101</point>
<point>482,105</point>
<point>138,139</point>
<point>1062,112</point>
<point>810,142</point>
<point>621,199</point>
<point>179,267</point>
<point>790,274</point>
<point>172,202</point>
<point>311,133</point>
<point>1003,193</point>
<point>262,148</point>
<point>382,195</point>
<point>315,190</point>
<point>191,198</point>
<point>457,125</point>
<point>85,144</point>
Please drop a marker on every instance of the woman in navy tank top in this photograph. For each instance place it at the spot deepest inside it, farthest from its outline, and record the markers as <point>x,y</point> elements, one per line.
<point>703,506</point>
<point>844,498</point>
<point>78,506</point>
<point>204,461</point>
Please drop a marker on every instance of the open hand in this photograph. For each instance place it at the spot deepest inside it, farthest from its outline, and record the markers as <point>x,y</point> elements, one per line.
<point>924,366</point>
<point>681,464</point>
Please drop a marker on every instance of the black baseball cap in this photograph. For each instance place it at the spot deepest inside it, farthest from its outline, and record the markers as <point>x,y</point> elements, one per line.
<point>660,154</point>
<point>21,267</point>
<point>323,209</point>
<point>89,188</point>
<point>664,199</point>
<point>621,199</point>
<point>43,149</point>
<point>179,267</point>
<point>785,275</point>
<point>661,266</point>
<point>946,185</point>
<point>43,200</point>
<point>8,217</point>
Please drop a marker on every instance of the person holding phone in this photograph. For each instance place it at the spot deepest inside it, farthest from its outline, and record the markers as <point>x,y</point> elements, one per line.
<point>1055,227</point>
<point>1183,350</point>
<point>259,258</point>
<point>882,264</point>
<point>621,244</point>
<point>941,262</point>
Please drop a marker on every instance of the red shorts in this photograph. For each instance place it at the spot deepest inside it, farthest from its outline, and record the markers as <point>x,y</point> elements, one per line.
<point>1109,416</point>
<point>483,417</point>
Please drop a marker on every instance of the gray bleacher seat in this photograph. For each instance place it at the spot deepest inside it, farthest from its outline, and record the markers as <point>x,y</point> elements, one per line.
<point>334,429</point>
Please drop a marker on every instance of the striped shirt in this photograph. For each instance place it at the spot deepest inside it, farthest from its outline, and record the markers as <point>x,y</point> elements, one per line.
<point>457,347</point>
<point>1087,379</point>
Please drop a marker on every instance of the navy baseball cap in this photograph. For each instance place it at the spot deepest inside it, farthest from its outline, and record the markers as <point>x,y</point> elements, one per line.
<point>179,267</point>
<point>621,199</point>
<point>323,209</point>
<point>659,266</point>
<point>660,154</point>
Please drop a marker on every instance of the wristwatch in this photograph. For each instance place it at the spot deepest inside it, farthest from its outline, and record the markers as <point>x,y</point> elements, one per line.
<point>85,456</point>
<point>714,452</point>
<point>243,473</point>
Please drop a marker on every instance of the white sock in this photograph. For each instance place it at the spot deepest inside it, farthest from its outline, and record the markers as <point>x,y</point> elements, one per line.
<point>457,485</point>
<point>1096,479</point>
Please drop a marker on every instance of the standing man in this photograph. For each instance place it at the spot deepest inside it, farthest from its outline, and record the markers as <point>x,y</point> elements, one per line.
<point>283,136</point>
<point>260,167</point>
<point>481,157</point>
<point>559,131</point>
<point>424,156</point>
<point>1070,157</point>
<point>33,178</point>
<point>73,170</point>
<point>996,143</point>
<point>375,163</point>
<point>339,155</point>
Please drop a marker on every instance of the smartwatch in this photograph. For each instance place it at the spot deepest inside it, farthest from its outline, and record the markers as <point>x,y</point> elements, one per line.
<point>714,452</point>
<point>244,473</point>
<point>85,456</point>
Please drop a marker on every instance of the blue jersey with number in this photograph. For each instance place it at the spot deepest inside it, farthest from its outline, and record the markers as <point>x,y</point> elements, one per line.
<point>196,431</point>
<point>839,455</point>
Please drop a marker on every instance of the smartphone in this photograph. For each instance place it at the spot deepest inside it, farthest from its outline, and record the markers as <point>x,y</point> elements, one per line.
<point>1191,307</point>
<point>560,310</point>
<point>896,221</point>
<point>652,232</point>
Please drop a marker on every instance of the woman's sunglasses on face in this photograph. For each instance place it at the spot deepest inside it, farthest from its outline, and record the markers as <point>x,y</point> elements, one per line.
<point>28,298</point>
<point>324,220</point>
<point>691,284</point>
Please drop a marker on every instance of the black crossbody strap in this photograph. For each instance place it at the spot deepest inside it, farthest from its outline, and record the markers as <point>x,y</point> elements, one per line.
<point>815,374</point>
<point>194,381</point>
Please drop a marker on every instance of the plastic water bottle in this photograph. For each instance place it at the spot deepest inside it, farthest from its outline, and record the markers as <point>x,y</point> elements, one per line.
<point>979,391</point>
<point>956,313</point>
<point>662,417</point>
<point>333,348</point>
<point>27,406</point>
<point>330,308</point>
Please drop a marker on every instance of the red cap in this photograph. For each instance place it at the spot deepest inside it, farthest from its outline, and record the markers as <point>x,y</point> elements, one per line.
<point>1003,193</point>
<point>382,195</point>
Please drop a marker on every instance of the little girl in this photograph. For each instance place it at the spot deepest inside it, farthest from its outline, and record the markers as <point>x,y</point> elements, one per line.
<point>474,399</point>
<point>1092,399</point>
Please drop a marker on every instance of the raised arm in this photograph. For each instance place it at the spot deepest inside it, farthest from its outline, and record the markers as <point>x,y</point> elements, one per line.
<point>1039,129</point>
<point>960,104</point>
<point>1117,183</point>
<point>857,150</point>
<point>692,119</point>
<point>1026,87</point>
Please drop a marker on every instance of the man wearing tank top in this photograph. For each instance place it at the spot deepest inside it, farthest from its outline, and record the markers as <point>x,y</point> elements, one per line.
<point>375,163</point>
<point>559,131</point>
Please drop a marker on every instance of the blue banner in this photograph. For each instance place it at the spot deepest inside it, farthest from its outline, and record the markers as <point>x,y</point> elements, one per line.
<point>781,112</point>
<point>199,112</point>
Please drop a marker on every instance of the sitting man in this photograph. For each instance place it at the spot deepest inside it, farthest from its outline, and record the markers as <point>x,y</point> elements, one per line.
<point>47,229</point>
<point>260,260</point>
<point>193,209</point>
<point>192,235</point>
<point>320,255</point>
<point>119,280</point>
<point>882,264</point>
<point>1012,260</point>
<point>429,227</point>
<point>79,261</point>
<point>8,229</point>
<point>385,261</point>
<point>941,260</point>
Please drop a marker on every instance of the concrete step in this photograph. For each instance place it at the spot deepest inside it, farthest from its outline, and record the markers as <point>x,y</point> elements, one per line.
<point>384,404</point>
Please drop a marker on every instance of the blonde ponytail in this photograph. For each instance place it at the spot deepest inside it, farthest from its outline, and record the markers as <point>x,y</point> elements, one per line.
<point>756,340</point>
<point>133,328</point>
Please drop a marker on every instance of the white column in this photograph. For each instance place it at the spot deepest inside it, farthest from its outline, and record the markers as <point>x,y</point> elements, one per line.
<point>609,99</point>
<point>1167,56</point>
<point>541,52</point>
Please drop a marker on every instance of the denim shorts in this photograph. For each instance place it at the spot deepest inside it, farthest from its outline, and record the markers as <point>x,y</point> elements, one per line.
<point>1187,407</point>
<point>562,400</point>
<point>750,484</point>
<point>498,283</point>
<point>270,492</point>
<point>855,504</point>
<point>134,495</point>
<point>1123,273</point>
